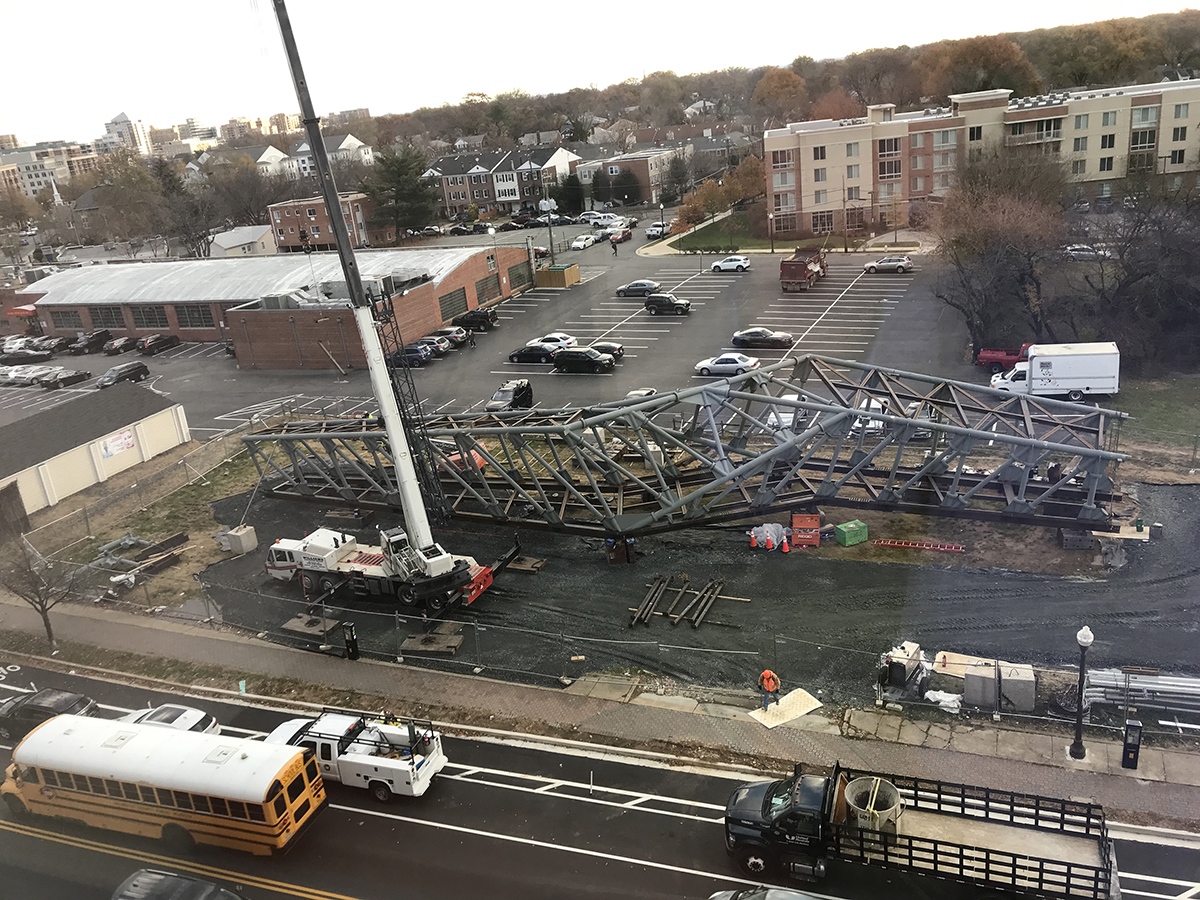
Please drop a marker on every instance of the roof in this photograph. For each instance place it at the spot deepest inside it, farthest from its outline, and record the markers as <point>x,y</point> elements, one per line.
<point>236,237</point>
<point>332,142</point>
<point>86,201</point>
<point>462,163</point>
<point>232,153</point>
<point>34,439</point>
<point>237,279</point>
<point>215,764</point>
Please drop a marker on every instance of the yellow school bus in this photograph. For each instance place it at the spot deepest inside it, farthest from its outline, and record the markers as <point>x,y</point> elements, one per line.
<point>184,787</point>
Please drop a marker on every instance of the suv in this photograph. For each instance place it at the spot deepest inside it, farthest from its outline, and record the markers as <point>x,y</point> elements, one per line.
<point>583,359</point>
<point>157,343</point>
<point>132,371</point>
<point>151,884</point>
<point>897,264</point>
<point>90,342</point>
<point>20,715</point>
<point>482,318</point>
<point>516,394</point>
<point>668,304</point>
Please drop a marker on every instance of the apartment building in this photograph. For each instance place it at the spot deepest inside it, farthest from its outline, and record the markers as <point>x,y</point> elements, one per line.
<point>650,166</point>
<point>284,123</point>
<point>9,142</point>
<point>124,133</point>
<point>498,181</point>
<point>340,148</point>
<point>828,175</point>
<point>293,219</point>
<point>41,165</point>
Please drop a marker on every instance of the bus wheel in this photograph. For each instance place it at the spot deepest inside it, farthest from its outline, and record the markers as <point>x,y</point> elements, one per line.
<point>178,839</point>
<point>381,791</point>
<point>754,861</point>
<point>16,806</point>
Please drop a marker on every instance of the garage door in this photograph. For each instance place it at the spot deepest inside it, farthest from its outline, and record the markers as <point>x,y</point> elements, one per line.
<point>487,288</point>
<point>453,304</point>
<point>519,276</point>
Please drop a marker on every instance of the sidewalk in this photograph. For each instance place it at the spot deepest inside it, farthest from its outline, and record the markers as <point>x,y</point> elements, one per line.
<point>903,241</point>
<point>609,711</point>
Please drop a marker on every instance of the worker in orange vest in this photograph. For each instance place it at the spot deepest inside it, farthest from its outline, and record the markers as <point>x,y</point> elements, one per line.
<point>768,683</point>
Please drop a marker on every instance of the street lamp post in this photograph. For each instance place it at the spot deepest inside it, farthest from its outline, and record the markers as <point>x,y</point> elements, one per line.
<point>1084,639</point>
<point>771,230</point>
<point>662,220</point>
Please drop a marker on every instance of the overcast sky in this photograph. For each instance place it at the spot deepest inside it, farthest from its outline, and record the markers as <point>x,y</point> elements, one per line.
<point>165,62</point>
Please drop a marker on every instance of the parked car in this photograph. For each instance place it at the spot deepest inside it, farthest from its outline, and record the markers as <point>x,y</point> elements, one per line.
<point>897,264</point>
<point>643,288</point>
<point>508,226</point>
<point>555,219</point>
<point>51,344</point>
<point>1082,206</point>
<point>667,304</point>
<point>521,219</point>
<point>759,336</point>
<point>583,359</point>
<point>480,319</point>
<point>412,356</point>
<point>728,364</point>
<point>154,344</point>
<point>455,335</point>
<point>458,230</point>
<point>27,375</point>
<point>439,345</point>
<point>587,218</point>
<point>172,715</point>
<point>554,339</point>
<point>612,348</point>
<point>130,371</point>
<point>621,236</point>
<point>534,353</point>
<point>540,252</point>
<point>90,342</point>
<point>516,394</point>
<point>583,242</point>
<point>25,357</point>
<point>63,378</point>
<point>655,231</point>
<point>480,228</point>
<point>120,345</point>
<point>732,264</point>
<point>21,714</point>
<point>1105,204</point>
<point>151,884</point>
<point>641,393</point>
<point>1085,253</point>
<point>432,231</point>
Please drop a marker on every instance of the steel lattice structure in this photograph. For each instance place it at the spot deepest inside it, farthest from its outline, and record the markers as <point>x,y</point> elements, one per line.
<point>806,431</point>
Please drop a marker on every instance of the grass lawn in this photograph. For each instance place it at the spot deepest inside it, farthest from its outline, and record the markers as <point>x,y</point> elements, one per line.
<point>1166,411</point>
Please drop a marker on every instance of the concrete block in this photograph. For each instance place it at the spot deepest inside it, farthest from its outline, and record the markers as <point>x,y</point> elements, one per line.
<point>913,733</point>
<point>979,685</point>
<point>888,728</point>
<point>1018,688</point>
<point>983,742</point>
<point>242,539</point>
<point>938,737</point>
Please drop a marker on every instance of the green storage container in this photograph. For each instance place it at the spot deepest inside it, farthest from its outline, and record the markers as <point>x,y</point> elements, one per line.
<point>850,533</point>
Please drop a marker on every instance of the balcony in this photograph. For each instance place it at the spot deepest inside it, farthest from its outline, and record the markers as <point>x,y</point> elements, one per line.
<point>1035,137</point>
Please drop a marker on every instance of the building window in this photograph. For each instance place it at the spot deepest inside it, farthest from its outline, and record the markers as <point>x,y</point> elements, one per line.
<point>1181,110</point>
<point>916,162</point>
<point>491,262</point>
<point>852,149</point>
<point>312,213</point>
<point>1108,119</point>
<point>1081,122</point>
<point>916,141</point>
<point>277,215</point>
<point>1079,167</point>
<point>818,153</point>
<point>943,181</point>
<point>1081,145</point>
<point>106,317</point>
<point>822,222</point>
<point>820,197</point>
<point>854,219</point>
<point>281,231</point>
<point>66,318</point>
<point>782,179</point>
<point>781,159</point>
<point>889,168</point>
<point>918,184</point>
<point>852,171</point>
<point>316,229</point>
<point>1177,157</point>
<point>194,316</point>
<point>288,213</point>
<point>1108,141</point>
<point>785,201</point>
<point>149,317</point>
<point>1142,140</point>
<point>853,193</point>
<point>1145,115</point>
<point>1105,189</point>
<point>818,175</point>
<point>889,147</point>
<point>1106,164</point>
<point>947,138</point>
<point>888,191</point>
<point>453,304</point>
<point>1179,134</point>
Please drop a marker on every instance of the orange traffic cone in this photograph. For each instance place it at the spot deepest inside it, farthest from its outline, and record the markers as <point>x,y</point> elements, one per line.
<point>770,544</point>
<point>753,540</point>
<point>784,546</point>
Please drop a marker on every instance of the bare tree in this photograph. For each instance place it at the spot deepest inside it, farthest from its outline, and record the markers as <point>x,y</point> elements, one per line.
<point>41,582</point>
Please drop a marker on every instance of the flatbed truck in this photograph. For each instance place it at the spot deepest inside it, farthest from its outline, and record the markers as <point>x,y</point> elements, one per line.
<point>995,840</point>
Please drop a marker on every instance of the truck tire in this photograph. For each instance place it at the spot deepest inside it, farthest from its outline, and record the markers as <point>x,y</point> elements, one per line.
<point>307,582</point>
<point>380,791</point>
<point>326,584</point>
<point>437,602</point>
<point>996,368</point>
<point>178,838</point>
<point>755,861</point>
<point>16,806</point>
<point>407,596</point>
<point>680,311</point>
<point>1075,396</point>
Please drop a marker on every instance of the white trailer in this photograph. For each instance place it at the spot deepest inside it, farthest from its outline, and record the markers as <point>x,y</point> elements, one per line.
<point>1073,371</point>
<point>386,755</point>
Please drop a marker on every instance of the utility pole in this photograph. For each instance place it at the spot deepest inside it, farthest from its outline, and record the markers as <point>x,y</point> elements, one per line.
<point>845,224</point>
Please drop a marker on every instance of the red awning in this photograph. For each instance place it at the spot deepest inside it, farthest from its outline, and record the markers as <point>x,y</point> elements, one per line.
<point>29,311</point>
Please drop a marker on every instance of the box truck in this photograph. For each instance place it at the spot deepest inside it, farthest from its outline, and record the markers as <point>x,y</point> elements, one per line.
<point>1073,371</point>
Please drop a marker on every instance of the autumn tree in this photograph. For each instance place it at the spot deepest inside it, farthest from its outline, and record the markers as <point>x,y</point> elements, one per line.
<point>16,210</point>
<point>882,76</point>
<point>245,193</point>
<point>662,98</point>
<point>128,195</point>
<point>748,180</point>
<point>42,582</point>
<point>403,199</point>
<point>192,213</point>
<point>781,96</point>
<point>977,64</point>
<point>837,104</point>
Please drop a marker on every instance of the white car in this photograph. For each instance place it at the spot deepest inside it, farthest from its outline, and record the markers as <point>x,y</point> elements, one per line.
<point>171,715</point>
<point>558,339</point>
<point>18,343</point>
<point>586,218</point>
<point>727,364</point>
<point>583,242</point>
<point>655,231</point>
<point>732,264</point>
<point>29,374</point>
<point>1085,253</point>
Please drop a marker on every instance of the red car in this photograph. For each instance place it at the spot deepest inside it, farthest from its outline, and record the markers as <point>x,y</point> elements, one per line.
<point>621,236</point>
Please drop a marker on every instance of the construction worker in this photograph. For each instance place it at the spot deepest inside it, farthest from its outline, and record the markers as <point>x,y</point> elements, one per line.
<point>768,683</point>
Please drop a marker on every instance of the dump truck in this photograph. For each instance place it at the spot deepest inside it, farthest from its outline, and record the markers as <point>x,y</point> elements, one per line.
<point>995,840</point>
<point>1073,371</point>
<point>802,269</point>
<point>996,360</point>
<point>387,755</point>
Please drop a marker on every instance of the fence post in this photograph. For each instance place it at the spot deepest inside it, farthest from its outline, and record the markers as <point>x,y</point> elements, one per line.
<point>87,525</point>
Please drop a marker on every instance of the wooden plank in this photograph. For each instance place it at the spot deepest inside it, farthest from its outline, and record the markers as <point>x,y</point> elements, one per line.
<point>446,644</point>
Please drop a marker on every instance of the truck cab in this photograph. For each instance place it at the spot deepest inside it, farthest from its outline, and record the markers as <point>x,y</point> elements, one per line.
<point>780,825</point>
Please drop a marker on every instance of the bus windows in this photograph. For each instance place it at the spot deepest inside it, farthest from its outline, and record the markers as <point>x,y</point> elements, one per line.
<point>147,794</point>
<point>256,813</point>
<point>183,799</point>
<point>113,788</point>
<point>201,803</point>
<point>310,771</point>
<point>131,791</point>
<point>295,789</point>
<point>220,807</point>
<point>96,785</point>
<point>280,806</point>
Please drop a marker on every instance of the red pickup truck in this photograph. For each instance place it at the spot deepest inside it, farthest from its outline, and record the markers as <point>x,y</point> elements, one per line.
<point>1002,360</point>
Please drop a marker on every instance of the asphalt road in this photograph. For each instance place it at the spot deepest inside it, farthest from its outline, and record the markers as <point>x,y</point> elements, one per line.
<point>504,820</point>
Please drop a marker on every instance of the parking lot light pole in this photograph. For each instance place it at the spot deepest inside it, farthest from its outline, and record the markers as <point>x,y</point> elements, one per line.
<point>662,221</point>
<point>1084,638</point>
<point>771,230</point>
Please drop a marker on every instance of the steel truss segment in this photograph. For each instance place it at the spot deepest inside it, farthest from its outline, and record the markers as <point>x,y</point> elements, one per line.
<point>808,430</point>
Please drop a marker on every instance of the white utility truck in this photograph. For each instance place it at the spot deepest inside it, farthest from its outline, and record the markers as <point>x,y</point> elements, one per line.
<point>1073,371</point>
<point>386,755</point>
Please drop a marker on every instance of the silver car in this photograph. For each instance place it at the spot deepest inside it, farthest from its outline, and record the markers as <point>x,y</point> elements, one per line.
<point>897,264</point>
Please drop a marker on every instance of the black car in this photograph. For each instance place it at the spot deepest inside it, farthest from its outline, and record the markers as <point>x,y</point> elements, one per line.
<point>583,359</point>
<point>412,355</point>
<point>24,357</point>
<point>516,394</point>
<point>20,715</point>
<point>458,230</point>
<point>480,228</point>
<point>151,884</point>
<point>132,371</point>
<point>535,353</point>
<point>761,337</point>
<point>63,378</point>
<point>667,304</point>
<point>157,343</point>
<point>52,344</point>
<point>120,345</point>
<point>508,226</point>
<point>90,342</point>
<point>481,319</point>
<point>612,348</point>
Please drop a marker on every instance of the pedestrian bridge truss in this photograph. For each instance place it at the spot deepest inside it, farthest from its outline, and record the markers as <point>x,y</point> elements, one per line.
<point>803,432</point>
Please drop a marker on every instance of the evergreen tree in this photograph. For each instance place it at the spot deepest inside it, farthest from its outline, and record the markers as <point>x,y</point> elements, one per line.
<point>402,198</point>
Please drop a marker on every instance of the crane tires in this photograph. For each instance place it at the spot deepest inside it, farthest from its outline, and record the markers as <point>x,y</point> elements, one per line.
<point>380,791</point>
<point>326,584</point>
<point>755,861</point>
<point>307,582</point>
<point>178,838</point>
<point>407,596</point>
<point>437,602</point>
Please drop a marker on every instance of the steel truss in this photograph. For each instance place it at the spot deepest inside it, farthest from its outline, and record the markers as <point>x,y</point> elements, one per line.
<point>806,431</point>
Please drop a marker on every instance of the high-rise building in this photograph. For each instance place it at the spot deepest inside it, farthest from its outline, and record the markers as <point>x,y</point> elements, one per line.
<point>284,123</point>
<point>9,142</point>
<point>193,130</point>
<point>125,132</point>
<point>41,165</point>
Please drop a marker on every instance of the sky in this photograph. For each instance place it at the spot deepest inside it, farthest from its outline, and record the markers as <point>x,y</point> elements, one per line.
<point>224,58</point>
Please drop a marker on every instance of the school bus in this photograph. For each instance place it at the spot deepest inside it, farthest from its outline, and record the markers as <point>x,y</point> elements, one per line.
<point>184,787</point>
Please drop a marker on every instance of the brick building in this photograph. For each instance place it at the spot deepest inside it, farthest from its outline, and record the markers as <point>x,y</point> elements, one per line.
<point>293,218</point>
